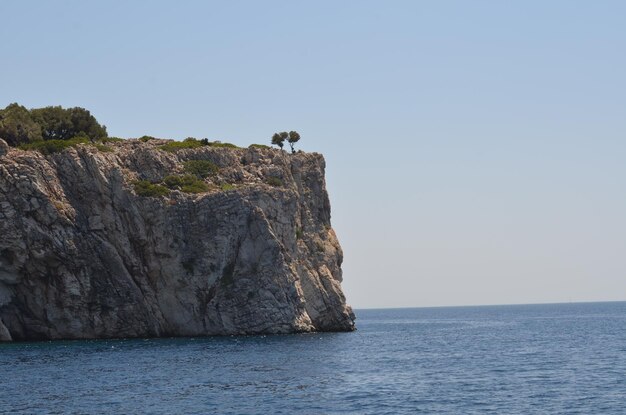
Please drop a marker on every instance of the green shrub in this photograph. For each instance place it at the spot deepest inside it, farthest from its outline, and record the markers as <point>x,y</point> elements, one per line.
<point>112,139</point>
<point>148,189</point>
<point>191,142</point>
<point>146,138</point>
<point>262,146</point>
<point>299,233</point>
<point>53,146</point>
<point>274,181</point>
<point>196,187</point>
<point>201,168</point>
<point>173,182</point>
<point>227,186</point>
<point>218,144</point>
<point>187,183</point>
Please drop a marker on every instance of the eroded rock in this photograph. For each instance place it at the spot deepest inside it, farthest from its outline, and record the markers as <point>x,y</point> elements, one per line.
<point>83,256</point>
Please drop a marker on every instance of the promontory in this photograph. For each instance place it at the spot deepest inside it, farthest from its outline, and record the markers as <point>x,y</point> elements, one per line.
<point>150,238</point>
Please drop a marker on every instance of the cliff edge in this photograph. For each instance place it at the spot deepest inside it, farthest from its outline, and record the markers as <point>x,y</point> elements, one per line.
<point>85,254</point>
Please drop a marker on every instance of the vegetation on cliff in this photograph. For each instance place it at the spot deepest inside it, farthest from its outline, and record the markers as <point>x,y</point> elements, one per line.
<point>20,126</point>
<point>201,168</point>
<point>53,146</point>
<point>291,137</point>
<point>148,189</point>
<point>53,129</point>
<point>191,142</point>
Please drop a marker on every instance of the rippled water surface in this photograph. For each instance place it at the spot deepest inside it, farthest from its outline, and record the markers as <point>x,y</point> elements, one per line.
<point>567,358</point>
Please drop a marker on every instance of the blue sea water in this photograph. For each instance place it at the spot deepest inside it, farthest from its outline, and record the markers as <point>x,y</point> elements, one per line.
<point>560,358</point>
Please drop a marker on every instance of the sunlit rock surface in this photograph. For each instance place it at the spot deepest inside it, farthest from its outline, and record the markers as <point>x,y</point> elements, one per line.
<point>83,256</point>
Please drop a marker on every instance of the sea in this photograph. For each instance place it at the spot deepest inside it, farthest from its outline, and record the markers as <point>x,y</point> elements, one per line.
<point>514,359</point>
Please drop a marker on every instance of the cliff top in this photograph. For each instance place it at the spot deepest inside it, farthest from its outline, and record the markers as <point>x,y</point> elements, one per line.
<point>156,167</point>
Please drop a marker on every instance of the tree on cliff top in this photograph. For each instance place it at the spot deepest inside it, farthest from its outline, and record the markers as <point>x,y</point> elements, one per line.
<point>278,140</point>
<point>292,137</point>
<point>17,126</point>
<point>58,123</point>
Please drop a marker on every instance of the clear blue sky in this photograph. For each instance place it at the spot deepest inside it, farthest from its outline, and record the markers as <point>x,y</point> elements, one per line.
<point>476,149</point>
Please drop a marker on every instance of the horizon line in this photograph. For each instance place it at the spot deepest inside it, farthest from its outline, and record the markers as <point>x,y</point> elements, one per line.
<point>490,305</point>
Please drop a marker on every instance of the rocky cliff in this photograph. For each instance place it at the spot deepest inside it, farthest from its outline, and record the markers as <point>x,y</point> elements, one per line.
<point>83,255</point>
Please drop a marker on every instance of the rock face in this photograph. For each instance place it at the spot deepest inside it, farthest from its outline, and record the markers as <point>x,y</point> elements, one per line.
<point>83,256</point>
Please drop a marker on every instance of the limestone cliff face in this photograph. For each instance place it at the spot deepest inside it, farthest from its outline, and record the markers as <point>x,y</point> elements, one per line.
<point>83,256</point>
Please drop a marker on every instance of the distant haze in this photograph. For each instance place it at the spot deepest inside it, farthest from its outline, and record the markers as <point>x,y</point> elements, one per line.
<point>476,151</point>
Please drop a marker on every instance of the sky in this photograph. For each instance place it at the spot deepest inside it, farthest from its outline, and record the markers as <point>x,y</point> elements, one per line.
<point>475,149</point>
